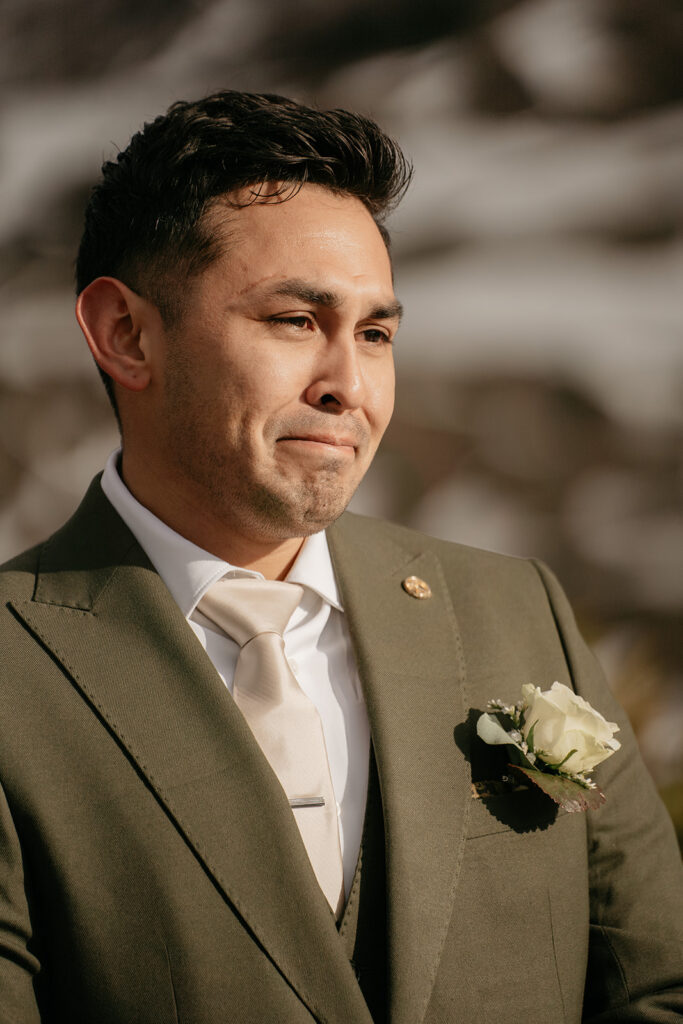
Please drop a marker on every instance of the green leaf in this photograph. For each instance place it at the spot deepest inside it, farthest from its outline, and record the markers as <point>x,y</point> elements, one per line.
<point>520,758</point>
<point>571,796</point>
<point>557,764</point>
<point>530,738</point>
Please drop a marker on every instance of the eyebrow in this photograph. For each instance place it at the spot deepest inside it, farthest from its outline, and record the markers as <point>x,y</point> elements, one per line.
<point>295,288</point>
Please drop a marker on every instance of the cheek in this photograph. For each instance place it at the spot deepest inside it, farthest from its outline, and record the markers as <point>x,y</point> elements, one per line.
<point>261,398</point>
<point>240,386</point>
<point>383,400</point>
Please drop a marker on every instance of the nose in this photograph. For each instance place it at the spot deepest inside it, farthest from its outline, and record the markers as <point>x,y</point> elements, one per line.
<point>338,383</point>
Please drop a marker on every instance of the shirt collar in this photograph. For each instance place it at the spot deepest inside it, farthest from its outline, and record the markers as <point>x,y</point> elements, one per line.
<point>187,570</point>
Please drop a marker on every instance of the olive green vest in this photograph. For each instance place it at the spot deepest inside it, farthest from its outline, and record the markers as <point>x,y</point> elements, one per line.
<point>363,925</point>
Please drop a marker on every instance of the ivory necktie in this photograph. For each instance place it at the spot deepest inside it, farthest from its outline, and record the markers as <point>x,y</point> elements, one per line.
<point>282,718</point>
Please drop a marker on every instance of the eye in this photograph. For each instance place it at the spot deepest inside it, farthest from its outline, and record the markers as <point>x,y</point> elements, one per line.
<point>375,335</point>
<point>299,323</point>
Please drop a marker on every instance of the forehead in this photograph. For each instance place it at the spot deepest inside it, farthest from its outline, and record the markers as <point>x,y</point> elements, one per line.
<point>312,231</point>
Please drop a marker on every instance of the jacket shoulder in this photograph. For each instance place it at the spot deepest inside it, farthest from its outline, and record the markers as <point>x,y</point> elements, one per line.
<point>79,556</point>
<point>18,574</point>
<point>367,530</point>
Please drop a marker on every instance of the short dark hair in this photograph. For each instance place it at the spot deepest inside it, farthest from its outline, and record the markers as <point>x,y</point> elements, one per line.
<point>144,221</point>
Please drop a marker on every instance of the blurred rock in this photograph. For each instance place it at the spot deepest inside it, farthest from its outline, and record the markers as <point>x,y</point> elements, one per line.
<point>539,255</point>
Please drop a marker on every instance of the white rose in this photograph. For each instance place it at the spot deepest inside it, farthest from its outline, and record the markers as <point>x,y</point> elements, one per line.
<point>563,721</point>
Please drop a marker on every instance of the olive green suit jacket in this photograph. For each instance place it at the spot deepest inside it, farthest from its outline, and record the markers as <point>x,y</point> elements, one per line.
<point>150,867</point>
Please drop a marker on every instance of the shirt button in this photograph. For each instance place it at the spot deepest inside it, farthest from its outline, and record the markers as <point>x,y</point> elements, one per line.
<point>293,664</point>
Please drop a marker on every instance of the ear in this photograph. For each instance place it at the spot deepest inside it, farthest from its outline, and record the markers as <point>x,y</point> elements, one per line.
<point>119,326</point>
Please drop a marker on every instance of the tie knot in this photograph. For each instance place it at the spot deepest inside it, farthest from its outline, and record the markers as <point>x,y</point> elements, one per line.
<point>245,607</point>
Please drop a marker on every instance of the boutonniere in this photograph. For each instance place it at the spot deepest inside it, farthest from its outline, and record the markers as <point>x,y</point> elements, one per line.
<point>555,739</point>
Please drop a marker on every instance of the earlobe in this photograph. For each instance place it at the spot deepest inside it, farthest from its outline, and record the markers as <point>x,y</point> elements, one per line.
<point>114,320</point>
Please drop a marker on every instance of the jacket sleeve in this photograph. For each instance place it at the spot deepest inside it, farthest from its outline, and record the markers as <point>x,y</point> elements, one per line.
<point>635,964</point>
<point>18,966</point>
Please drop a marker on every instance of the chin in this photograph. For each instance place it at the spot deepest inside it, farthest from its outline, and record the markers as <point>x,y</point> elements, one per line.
<point>316,517</point>
<point>309,510</point>
<point>323,506</point>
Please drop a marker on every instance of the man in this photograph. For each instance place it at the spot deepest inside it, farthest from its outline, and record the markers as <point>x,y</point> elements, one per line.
<point>156,862</point>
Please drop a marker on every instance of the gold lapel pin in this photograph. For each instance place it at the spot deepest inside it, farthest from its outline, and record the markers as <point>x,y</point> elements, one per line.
<point>416,587</point>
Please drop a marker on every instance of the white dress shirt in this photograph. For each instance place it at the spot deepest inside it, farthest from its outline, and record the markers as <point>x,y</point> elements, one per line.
<point>317,644</point>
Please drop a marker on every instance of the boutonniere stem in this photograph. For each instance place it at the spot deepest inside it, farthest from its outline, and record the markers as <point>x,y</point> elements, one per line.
<point>555,739</point>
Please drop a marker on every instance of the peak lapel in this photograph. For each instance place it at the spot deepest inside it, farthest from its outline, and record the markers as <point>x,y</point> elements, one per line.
<point>114,627</point>
<point>410,661</point>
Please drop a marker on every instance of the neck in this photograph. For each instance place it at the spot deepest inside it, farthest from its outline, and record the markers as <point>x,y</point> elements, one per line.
<point>200,525</point>
<point>274,563</point>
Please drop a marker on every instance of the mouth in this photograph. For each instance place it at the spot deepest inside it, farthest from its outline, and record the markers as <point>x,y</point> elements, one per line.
<point>319,443</point>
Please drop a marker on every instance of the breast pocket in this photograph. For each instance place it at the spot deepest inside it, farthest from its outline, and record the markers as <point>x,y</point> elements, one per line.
<point>518,811</point>
<point>521,903</point>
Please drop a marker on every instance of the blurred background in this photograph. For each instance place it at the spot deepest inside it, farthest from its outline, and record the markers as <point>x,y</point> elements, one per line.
<point>539,254</point>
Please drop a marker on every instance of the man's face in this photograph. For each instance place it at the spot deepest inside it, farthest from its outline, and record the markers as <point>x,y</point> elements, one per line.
<point>279,381</point>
